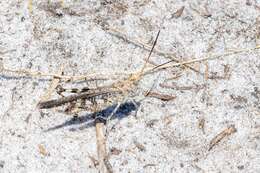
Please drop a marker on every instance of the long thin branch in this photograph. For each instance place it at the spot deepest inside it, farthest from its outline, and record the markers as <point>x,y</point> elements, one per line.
<point>168,65</point>
<point>104,165</point>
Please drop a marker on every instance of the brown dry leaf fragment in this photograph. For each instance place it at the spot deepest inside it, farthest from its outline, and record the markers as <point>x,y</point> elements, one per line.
<point>227,132</point>
<point>42,150</point>
<point>201,124</point>
<point>115,151</point>
<point>163,97</point>
<point>202,11</point>
<point>178,13</point>
<point>167,120</point>
<point>140,146</point>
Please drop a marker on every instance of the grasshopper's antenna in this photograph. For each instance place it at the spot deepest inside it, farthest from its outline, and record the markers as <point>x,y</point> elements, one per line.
<point>151,51</point>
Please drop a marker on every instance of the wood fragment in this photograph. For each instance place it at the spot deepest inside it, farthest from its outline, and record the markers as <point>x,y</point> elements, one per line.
<point>201,124</point>
<point>167,120</point>
<point>178,13</point>
<point>203,12</point>
<point>42,150</point>
<point>225,133</point>
<point>104,166</point>
<point>163,97</point>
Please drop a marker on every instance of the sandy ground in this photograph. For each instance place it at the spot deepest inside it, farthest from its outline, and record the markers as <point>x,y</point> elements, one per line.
<point>158,136</point>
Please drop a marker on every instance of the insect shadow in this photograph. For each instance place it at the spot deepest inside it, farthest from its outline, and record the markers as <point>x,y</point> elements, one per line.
<point>89,120</point>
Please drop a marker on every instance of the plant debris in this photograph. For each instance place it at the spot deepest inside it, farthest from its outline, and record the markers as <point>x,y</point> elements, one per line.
<point>178,13</point>
<point>163,97</point>
<point>225,133</point>
<point>201,124</point>
<point>42,150</point>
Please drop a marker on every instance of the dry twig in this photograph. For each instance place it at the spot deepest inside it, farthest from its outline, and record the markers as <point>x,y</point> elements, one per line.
<point>178,13</point>
<point>163,97</point>
<point>169,65</point>
<point>227,132</point>
<point>104,165</point>
<point>201,124</point>
<point>42,150</point>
